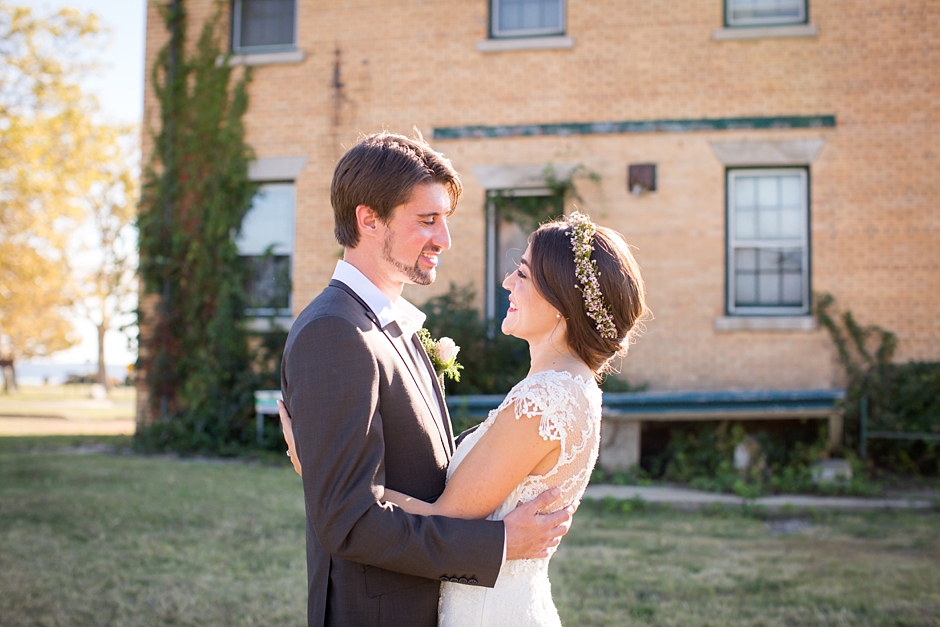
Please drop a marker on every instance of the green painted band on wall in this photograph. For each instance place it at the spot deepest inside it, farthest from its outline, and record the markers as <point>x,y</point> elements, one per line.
<point>643,126</point>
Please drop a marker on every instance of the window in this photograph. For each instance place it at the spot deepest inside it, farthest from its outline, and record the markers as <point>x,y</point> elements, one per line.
<point>525,18</point>
<point>765,12</point>
<point>768,242</point>
<point>506,240</point>
<point>266,244</point>
<point>263,25</point>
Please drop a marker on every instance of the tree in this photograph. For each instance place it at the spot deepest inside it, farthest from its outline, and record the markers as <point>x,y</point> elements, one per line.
<point>194,352</point>
<point>106,259</point>
<point>45,133</point>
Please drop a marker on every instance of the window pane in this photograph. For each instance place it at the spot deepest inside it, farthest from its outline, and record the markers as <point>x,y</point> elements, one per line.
<point>768,289</point>
<point>766,11</point>
<point>268,283</point>
<point>791,260</point>
<point>791,224</point>
<point>767,196</point>
<point>528,15</point>
<point>779,203</point>
<point>745,289</point>
<point>745,224</point>
<point>792,289</point>
<point>791,195</point>
<point>744,192</point>
<point>746,259</point>
<point>266,23</point>
<point>769,276</point>
<point>270,221</point>
<point>769,222</point>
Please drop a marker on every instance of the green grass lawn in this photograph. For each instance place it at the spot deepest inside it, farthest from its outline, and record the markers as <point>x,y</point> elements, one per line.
<point>103,539</point>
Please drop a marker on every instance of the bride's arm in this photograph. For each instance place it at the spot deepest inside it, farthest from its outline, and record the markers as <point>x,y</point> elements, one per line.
<point>509,451</point>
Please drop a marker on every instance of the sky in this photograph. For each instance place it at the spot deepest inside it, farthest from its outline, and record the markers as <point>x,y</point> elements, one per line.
<point>119,86</point>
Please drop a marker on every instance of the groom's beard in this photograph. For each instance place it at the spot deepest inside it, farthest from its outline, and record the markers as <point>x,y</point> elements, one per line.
<point>414,273</point>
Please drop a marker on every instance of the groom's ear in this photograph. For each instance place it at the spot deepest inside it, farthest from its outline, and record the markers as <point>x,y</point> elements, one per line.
<point>367,220</point>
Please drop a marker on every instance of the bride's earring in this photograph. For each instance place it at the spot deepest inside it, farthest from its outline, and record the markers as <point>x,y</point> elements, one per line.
<point>557,315</point>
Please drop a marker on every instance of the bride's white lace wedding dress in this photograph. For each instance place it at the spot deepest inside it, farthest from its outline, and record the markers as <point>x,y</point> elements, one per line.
<point>568,409</point>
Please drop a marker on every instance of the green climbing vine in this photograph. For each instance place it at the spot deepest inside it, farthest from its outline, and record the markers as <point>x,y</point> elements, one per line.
<point>901,397</point>
<point>530,210</point>
<point>195,351</point>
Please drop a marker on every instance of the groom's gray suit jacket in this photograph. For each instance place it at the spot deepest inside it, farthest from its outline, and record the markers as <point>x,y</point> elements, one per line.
<point>362,417</point>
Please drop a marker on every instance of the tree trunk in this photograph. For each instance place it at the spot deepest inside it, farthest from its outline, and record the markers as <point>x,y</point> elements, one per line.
<point>102,370</point>
<point>9,375</point>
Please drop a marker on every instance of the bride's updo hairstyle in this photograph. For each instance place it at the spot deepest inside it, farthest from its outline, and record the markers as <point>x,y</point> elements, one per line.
<point>622,293</point>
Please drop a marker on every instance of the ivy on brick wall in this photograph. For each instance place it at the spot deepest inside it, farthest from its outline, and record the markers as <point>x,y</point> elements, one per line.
<point>195,351</point>
<point>901,397</point>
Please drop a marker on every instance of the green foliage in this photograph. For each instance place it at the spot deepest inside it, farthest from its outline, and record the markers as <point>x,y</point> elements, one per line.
<point>702,456</point>
<point>195,350</point>
<point>634,476</point>
<point>901,397</point>
<point>492,362</point>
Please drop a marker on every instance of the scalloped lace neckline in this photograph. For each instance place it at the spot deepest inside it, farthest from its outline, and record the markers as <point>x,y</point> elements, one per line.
<point>570,375</point>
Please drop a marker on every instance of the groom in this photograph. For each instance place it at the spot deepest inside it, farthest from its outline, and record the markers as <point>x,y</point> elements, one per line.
<point>368,411</point>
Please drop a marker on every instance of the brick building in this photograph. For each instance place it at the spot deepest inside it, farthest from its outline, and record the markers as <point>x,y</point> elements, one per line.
<point>795,148</point>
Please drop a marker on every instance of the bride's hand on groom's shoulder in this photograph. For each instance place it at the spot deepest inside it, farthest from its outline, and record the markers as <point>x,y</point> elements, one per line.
<point>287,430</point>
<point>530,535</point>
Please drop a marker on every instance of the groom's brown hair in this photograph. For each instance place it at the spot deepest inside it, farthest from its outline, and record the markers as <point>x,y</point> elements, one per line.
<point>381,172</point>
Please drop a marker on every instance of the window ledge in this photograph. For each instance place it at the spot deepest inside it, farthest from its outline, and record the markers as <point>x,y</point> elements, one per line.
<point>267,58</point>
<point>525,43</point>
<point>766,323</point>
<point>765,32</point>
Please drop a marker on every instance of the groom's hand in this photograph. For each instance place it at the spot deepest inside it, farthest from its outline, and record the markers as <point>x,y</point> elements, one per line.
<point>530,535</point>
<point>287,429</point>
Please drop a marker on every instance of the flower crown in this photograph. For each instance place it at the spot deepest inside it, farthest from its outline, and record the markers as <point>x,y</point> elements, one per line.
<point>582,230</point>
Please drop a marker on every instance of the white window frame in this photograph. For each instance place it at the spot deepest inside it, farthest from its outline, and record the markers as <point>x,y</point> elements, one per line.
<point>733,243</point>
<point>497,33</point>
<point>768,21</point>
<point>288,251</point>
<point>237,48</point>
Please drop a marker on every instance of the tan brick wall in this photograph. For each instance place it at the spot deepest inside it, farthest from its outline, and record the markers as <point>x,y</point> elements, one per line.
<point>874,188</point>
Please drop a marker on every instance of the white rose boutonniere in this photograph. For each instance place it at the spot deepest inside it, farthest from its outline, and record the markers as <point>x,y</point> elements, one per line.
<point>443,354</point>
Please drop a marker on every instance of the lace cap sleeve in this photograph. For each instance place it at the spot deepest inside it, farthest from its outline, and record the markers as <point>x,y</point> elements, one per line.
<point>551,397</point>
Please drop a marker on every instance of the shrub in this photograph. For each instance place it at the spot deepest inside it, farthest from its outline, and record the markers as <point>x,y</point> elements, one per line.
<point>702,456</point>
<point>900,397</point>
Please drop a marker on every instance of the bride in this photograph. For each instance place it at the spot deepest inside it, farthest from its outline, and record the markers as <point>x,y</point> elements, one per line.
<point>576,299</point>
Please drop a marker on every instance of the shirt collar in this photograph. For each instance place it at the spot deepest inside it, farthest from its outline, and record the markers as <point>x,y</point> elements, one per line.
<point>408,317</point>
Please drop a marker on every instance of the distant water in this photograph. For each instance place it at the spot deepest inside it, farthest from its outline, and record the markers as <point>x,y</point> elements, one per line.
<point>36,374</point>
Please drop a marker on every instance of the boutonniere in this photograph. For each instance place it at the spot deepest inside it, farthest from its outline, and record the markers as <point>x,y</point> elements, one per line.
<point>443,354</point>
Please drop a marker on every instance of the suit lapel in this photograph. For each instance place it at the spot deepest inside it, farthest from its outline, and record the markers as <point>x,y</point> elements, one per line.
<point>439,393</point>
<point>399,344</point>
